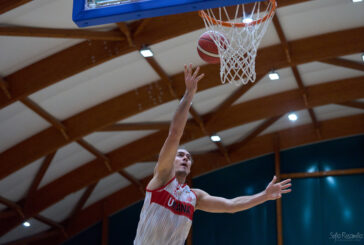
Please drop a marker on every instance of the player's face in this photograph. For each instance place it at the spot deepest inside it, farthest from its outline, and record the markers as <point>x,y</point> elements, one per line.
<point>183,161</point>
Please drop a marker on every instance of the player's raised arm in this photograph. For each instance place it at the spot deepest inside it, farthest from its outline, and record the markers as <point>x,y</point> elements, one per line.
<point>164,168</point>
<point>215,204</point>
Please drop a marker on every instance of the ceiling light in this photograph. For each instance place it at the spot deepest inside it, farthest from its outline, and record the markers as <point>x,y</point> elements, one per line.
<point>146,52</point>
<point>357,1</point>
<point>215,138</point>
<point>26,224</point>
<point>247,20</point>
<point>292,117</point>
<point>362,57</point>
<point>273,75</point>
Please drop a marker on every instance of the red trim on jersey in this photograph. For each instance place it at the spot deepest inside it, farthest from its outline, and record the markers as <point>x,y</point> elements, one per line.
<point>162,187</point>
<point>194,193</point>
<point>165,199</point>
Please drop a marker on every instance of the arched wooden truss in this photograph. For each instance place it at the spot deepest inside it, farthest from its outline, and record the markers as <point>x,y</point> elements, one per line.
<point>103,116</point>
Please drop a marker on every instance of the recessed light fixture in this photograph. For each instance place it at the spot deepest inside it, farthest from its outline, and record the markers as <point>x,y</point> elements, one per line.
<point>292,117</point>
<point>215,138</point>
<point>273,75</point>
<point>26,224</point>
<point>357,1</point>
<point>146,52</point>
<point>362,57</point>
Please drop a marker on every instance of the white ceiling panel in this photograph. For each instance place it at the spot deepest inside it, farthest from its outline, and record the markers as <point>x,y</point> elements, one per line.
<point>209,99</point>
<point>319,17</point>
<point>235,134</point>
<point>316,73</point>
<point>266,87</point>
<point>270,37</point>
<point>171,54</point>
<point>20,231</point>
<point>41,13</point>
<point>94,86</point>
<point>328,112</point>
<point>284,123</point>
<point>62,209</point>
<point>15,186</point>
<point>17,123</point>
<point>141,170</point>
<point>109,141</point>
<point>159,113</point>
<point>18,52</point>
<point>200,145</point>
<point>354,57</point>
<point>66,159</point>
<point>83,78</point>
<point>107,186</point>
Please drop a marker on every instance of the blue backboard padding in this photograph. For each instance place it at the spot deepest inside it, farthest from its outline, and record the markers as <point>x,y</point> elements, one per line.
<point>142,9</point>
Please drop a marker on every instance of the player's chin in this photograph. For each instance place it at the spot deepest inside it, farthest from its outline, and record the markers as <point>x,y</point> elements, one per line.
<point>182,171</point>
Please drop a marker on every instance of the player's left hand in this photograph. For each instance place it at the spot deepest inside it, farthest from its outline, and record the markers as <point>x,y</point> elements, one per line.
<point>275,190</point>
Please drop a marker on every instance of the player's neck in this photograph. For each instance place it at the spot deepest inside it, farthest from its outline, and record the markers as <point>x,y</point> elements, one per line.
<point>181,178</point>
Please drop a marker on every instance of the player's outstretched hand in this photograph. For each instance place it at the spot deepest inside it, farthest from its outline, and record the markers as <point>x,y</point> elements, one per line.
<point>191,79</point>
<point>275,190</point>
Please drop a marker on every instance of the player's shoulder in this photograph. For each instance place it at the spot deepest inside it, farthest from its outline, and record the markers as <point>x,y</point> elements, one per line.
<point>199,193</point>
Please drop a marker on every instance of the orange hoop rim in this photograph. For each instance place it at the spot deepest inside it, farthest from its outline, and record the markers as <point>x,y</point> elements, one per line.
<point>204,15</point>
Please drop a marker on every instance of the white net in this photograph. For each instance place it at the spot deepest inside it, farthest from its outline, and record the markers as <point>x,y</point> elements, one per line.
<point>242,28</point>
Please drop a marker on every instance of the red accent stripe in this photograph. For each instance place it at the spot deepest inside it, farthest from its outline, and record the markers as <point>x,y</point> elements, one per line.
<point>195,194</point>
<point>165,199</point>
<point>162,187</point>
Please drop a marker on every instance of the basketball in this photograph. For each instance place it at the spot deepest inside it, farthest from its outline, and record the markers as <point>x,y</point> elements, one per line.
<point>207,49</point>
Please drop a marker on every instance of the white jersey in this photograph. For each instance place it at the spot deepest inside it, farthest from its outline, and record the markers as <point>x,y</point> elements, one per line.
<point>166,216</point>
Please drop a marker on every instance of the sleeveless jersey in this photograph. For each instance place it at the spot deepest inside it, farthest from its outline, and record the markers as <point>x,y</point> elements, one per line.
<point>166,216</point>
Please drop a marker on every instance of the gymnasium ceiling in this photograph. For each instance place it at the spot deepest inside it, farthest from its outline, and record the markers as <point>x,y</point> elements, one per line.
<point>83,115</point>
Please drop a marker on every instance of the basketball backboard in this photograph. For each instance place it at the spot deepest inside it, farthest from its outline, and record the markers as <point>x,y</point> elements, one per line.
<point>97,12</point>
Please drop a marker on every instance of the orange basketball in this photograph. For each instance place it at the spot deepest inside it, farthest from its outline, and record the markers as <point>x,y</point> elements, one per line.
<point>207,48</point>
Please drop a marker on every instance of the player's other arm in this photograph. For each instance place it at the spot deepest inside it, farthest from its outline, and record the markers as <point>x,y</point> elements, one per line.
<point>215,204</point>
<point>164,168</point>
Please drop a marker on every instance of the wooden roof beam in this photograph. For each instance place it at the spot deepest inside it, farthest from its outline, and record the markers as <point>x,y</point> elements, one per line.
<point>4,87</point>
<point>38,178</point>
<point>353,104</point>
<point>90,148</point>
<point>296,74</point>
<point>255,133</point>
<point>26,31</point>
<point>7,5</point>
<point>123,27</point>
<point>77,209</point>
<point>46,116</point>
<point>277,168</point>
<point>136,126</point>
<point>51,223</point>
<point>345,63</point>
<point>133,180</point>
<point>10,204</point>
<point>219,111</point>
<point>338,172</point>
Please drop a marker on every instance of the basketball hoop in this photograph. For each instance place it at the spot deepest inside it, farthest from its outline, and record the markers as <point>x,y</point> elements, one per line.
<point>243,27</point>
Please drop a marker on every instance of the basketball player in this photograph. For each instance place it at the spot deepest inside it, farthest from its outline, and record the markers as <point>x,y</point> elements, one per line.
<point>166,216</point>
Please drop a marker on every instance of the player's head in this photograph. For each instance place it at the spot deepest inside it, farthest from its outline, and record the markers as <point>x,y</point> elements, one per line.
<point>182,162</point>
